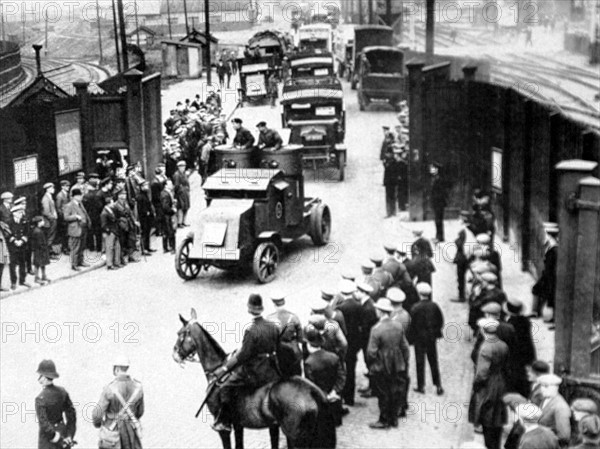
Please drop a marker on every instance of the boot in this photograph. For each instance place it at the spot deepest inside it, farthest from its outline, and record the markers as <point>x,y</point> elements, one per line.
<point>223,420</point>
<point>38,281</point>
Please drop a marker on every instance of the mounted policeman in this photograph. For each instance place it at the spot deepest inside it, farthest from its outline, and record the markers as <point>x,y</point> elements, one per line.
<point>252,366</point>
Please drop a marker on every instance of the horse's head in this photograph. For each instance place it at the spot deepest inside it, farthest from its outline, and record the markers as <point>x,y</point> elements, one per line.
<point>193,339</point>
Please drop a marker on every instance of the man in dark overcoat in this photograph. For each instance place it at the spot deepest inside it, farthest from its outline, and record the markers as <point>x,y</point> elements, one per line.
<point>486,407</point>
<point>523,353</point>
<point>388,356</point>
<point>290,337</point>
<point>439,194</point>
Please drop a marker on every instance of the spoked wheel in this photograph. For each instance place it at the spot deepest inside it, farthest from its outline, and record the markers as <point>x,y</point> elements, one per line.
<point>187,268</point>
<point>265,261</point>
<point>320,225</point>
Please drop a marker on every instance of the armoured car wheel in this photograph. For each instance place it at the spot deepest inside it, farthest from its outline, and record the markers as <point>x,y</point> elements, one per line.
<point>265,261</point>
<point>320,225</point>
<point>341,164</point>
<point>187,268</point>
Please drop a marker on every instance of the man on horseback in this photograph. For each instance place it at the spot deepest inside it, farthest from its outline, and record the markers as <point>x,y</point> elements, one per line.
<point>252,366</point>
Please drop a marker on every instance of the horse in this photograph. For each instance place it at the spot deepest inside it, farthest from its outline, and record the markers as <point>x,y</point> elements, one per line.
<point>295,404</point>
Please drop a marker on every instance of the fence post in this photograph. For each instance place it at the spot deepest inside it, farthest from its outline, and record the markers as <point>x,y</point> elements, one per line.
<point>586,274</point>
<point>570,173</point>
<point>135,119</point>
<point>415,109</point>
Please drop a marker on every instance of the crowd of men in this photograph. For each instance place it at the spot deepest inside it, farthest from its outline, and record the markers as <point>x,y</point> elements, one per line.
<point>381,311</point>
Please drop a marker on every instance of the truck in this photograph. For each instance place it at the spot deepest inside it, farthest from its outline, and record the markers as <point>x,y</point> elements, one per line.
<point>381,76</point>
<point>368,36</point>
<point>315,37</point>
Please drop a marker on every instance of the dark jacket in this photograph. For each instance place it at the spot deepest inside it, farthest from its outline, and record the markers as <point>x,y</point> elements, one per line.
<point>124,216</point>
<point>289,354</point>
<point>166,202</point>
<point>326,370</point>
<point>144,206</point>
<point>19,232</point>
<point>55,413</point>
<point>352,311</point>
<point>39,245</point>
<point>243,138</point>
<point>109,407</point>
<point>388,351</point>
<point>93,203</point>
<point>270,139</point>
<point>541,438</point>
<point>427,322</point>
<point>461,257</point>
<point>506,333</point>
<point>421,248</point>
<point>182,190</point>
<point>545,287</point>
<point>255,360</point>
<point>391,172</point>
<point>439,193</point>
<point>489,385</point>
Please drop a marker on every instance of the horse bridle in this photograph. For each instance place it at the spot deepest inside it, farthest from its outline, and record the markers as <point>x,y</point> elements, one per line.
<point>193,356</point>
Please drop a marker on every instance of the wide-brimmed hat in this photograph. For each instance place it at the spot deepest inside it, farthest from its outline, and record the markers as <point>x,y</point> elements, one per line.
<point>255,304</point>
<point>47,368</point>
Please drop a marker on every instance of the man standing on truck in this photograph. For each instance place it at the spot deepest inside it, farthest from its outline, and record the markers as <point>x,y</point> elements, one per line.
<point>268,138</point>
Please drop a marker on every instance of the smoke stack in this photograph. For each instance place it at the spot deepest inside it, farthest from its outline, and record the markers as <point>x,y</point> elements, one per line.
<point>38,60</point>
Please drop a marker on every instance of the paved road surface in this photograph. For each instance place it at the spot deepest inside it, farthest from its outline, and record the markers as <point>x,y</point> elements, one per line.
<point>84,322</point>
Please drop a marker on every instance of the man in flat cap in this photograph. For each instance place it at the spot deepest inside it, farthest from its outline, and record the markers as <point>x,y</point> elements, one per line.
<point>333,337</point>
<point>181,185</point>
<point>79,183</point>
<point>581,408</point>
<point>421,265</point>
<point>505,332</point>
<point>426,327</point>
<point>392,173</point>
<point>5,206</point>
<point>62,198</point>
<point>489,253</point>
<point>290,336</point>
<point>268,138</point>
<point>556,413</point>
<point>156,187</point>
<point>537,369</point>
<point>489,293</point>
<point>535,436</point>
<point>54,410</point>
<point>388,356</point>
<point>243,137</point>
<point>50,215</point>
<point>589,428</point>
<point>461,259</point>
<point>326,370</point>
<point>486,407</point>
<point>78,226</point>
<point>253,365</point>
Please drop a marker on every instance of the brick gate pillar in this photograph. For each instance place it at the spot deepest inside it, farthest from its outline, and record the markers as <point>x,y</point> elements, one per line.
<point>570,173</point>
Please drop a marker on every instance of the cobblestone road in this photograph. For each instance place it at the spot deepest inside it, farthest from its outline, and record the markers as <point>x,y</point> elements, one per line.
<point>83,322</point>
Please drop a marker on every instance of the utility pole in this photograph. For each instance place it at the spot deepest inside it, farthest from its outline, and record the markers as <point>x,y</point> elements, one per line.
<point>429,38</point>
<point>360,13</point>
<point>123,36</point>
<point>137,26</point>
<point>207,31</point>
<point>46,35</point>
<point>370,21</point>
<point>169,19</point>
<point>116,32</point>
<point>99,31</point>
<point>187,27</point>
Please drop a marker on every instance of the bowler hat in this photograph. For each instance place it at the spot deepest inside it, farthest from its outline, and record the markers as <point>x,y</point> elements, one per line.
<point>384,305</point>
<point>48,185</point>
<point>255,304</point>
<point>513,306</point>
<point>47,368</point>
<point>540,367</point>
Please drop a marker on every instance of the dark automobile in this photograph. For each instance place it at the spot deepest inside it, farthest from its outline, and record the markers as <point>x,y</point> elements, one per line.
<point>381,76</point>
<point>251,211</point>
<point>314,111</point>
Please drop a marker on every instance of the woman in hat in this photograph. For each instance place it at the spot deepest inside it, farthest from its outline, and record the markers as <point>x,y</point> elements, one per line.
<point>41,253</point>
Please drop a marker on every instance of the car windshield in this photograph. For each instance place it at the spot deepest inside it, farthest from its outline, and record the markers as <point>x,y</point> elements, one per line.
<point>383,61</point>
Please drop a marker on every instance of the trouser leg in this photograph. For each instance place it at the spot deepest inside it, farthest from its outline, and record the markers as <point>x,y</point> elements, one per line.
<point>81,249</point>
<point>461,271</point>
<point>349,387</point>
<point>73,250</point>
<point>433,362</point>
<point>492,437</point>
<point>439,225</point>
<point>12,268</point>
<point>390,200</point>
<point>420,361</point>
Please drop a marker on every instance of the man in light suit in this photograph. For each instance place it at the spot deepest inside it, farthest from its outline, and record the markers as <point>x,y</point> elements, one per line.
<point>556,413</point>
<point>78,222</point>
<point>50,216</point>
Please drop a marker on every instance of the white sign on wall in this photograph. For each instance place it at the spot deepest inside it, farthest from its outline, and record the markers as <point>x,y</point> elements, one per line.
<point>26,170</point>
